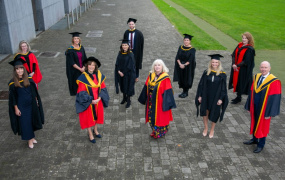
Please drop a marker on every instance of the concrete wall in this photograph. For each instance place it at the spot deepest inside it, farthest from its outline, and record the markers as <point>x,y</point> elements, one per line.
<point>49,12</point>
<point>16,24</point>
<point>69,5</point>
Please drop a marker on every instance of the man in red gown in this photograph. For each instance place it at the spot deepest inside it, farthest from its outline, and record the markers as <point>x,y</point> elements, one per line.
<point>263,103</point>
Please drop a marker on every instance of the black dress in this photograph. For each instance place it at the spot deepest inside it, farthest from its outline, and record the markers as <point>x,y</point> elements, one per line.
<point>126,64</point>
<point>29,103</point>
<point>185,76</point>
<point>212,88</point>
<point>74,56</point>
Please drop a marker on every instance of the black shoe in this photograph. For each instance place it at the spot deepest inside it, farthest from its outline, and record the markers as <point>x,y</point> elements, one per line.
<point>93,140</point>
<point>258,150</point>
<point>123,101</point>
<point>97,135</point>
<point>184,95</point>
<point>250,142</point>
<point>181,94</point>
<point>128,102</point>
<point>235,101</point>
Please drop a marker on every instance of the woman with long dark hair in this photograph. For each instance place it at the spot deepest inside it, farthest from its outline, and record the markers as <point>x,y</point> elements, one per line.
<point>92,96</point>
<point>25,107</point>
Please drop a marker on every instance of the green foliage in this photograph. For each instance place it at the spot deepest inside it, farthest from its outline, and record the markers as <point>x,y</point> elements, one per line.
<point>201,39</point>
<point>262,18</point>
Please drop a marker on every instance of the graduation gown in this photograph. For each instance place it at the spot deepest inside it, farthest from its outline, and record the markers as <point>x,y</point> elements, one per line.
<point>162,99</point>
<point>72,73</point>
<point>91,87</point>
<point>212,88</point>
<point>138,46</point>
<point>243,57</point>
<point>31,65</point>
<point>126,64</point>
<point>37,115</point>
<point>262,102</point>
<point>185,76</point>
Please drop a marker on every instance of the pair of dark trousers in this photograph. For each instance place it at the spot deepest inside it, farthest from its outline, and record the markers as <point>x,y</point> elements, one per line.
<point>260,141</point>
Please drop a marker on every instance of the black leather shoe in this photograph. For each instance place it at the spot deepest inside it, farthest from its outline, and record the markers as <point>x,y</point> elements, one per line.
<point>250,142</point>
<point>93,140</point>
<point>184,95</point>
<point>236,101</point>
<point>123,101</point>
<point>258,150</point>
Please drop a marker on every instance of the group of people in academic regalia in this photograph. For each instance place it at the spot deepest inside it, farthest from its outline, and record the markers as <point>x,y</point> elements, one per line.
<point>87,83</point>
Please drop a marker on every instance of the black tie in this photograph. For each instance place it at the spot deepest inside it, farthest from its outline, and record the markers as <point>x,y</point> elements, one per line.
<point>260,81</point>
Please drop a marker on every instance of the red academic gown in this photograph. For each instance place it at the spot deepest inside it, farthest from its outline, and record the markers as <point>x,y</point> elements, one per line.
<point>31,65</point>
<point>268,95</point>
<point>89,118</point>
<point>162,99</point>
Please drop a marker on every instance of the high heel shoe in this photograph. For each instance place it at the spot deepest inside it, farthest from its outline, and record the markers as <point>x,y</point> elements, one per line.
<point>205,133</point>
<point>93,140</point>
<point>211,136</point>
<point>31,146</point>
<point>35,141</point>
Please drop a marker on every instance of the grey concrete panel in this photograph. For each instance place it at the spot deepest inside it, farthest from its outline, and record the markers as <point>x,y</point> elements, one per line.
<point>70,5</point>
<point>53,13</point>
<point>19,24</point>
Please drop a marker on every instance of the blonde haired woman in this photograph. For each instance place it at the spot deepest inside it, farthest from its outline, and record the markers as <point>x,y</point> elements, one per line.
<point>75,55</point>
<point>31,62</point>
<point>157,96</point>
<point>212,94</point>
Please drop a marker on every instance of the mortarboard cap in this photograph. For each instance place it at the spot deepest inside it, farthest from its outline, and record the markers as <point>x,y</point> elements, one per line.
<point>131,19</point>
<point>17,61</point>
<point>125,41</point>
<point>188,36</point>
<point>91,58</point>
<point>75,34</point>
<point>215,56</point>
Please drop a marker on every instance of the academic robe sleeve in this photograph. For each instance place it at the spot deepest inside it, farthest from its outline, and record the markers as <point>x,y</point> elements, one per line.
<point>200,91</point>
<point>132,73</point>
<point>83,101</point>
<point>274,100</point>
<point>116,76</point>
<point>168,100</point>
<point>143,96</point>
<point>104,95</point>
<point>12,102</point>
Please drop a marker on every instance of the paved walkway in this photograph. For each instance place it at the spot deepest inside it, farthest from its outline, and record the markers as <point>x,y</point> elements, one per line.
<point>126,150</point>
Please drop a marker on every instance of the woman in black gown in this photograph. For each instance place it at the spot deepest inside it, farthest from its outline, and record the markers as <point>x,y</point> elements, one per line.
<point>25,107</point>
<point>185,65</point>
<point>125,73</point>
<point>212,94</point>
<point>75,55</point>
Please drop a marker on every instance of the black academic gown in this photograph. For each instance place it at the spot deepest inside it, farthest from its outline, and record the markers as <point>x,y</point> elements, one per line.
<point>211,92</point>
<point>245,72</point>
<point>138,46</point>
<point>126,64</point>
<point>72,73</point>
<point>37,108</point>
<point>185,76</point>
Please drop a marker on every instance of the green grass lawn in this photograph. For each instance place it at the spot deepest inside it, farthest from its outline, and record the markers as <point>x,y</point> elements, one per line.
<point>201,40</point>
<point>264,19</point>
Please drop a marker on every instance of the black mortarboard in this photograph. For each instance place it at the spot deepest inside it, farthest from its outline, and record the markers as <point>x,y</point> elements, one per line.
<point>131,19</point>
<point>188,36</point>
<point>75,34</point>
<point>17,61</point>
<point>91,58</point>
<point>125,41</point>
<point>215,56</point>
